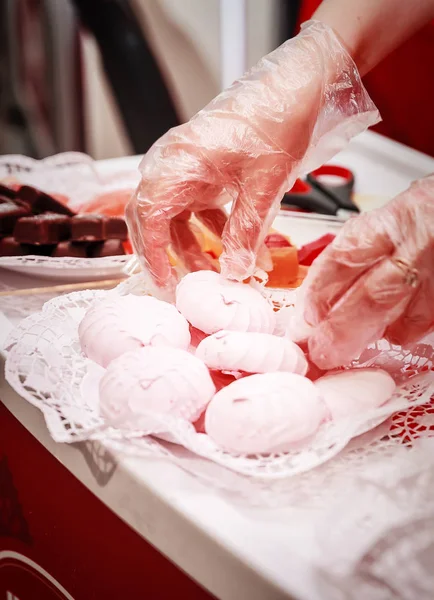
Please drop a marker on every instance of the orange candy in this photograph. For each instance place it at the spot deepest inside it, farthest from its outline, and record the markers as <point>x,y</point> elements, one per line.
<point>286,273</point>
<point>277,240</point>
<point>285,267</point>
<point>302,272</point>
<point>211,244</point>
<point>111,204</point>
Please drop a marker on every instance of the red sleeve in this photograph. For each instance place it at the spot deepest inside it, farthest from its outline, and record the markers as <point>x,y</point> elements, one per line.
<point>307,8</point>
<point>402,87</point>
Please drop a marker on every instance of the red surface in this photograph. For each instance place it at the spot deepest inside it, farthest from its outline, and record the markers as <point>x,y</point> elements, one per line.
<point>402,87</point>
<point>308,252</point>
<point>47,515</point>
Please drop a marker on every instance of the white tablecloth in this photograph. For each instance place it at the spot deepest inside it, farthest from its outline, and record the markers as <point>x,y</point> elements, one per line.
<point>235,550</point>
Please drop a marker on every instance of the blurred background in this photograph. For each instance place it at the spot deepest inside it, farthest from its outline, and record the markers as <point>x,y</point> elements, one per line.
<point>108,77</point>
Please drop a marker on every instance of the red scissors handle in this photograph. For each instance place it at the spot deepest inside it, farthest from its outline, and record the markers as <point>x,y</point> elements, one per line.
<point>335,182</point>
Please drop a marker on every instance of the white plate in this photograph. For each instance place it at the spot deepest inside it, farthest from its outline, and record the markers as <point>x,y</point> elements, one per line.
<point>78,177</point>
<point>68,268</point>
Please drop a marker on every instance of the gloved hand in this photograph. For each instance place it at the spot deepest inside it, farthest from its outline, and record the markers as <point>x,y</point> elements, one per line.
<point>290,113</point>
<point>376,279</point>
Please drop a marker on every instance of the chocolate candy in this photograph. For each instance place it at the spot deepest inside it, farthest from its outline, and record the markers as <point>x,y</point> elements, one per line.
<point>7,192</point>
<point>74,249</point>
<point>47,228</point>
<point>116,229</point>
<point>96,228</point>
<point>10,247</point>
<point>43,225</point>
<point>88,228</point>
<point>9,215</point>
<point>15,202</point>
<point>39,202</point>
<point>107,248</point>
<point>40,249</point>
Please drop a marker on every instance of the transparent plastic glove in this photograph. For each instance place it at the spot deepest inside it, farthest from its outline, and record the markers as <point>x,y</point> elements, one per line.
<point>295,109</point>
<point>376,279</point>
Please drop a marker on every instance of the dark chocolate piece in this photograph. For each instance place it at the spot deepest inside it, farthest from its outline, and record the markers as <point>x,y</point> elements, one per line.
<point>41,202</point>
<point>40,249</point>
<point>107,248</point>
<point>15,202</point>
<point>88,228</point>
<point>10,247</point>
<point>9,215</point>
<point>7,192</point>
<point>97,228</point>
<point>47,228</point>
<point>28,195</point>
<point>74,249</point>
<point>116,228</point>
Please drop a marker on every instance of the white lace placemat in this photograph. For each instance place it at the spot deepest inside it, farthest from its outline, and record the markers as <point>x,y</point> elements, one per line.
<point>45,365</point>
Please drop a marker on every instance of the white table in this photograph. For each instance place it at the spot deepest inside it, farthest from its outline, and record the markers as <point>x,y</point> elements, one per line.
<point>234,551</point>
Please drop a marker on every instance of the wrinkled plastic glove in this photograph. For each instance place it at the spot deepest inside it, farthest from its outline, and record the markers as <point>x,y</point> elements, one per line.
<point>375,280</point>
<point>294,110</point>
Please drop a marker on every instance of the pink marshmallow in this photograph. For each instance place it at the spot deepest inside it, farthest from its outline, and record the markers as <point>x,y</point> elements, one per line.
<point>141,385</point>
<point>267,413</point>
<point>251,352</point>
<point>211,303</point>
<point>120,324</point>
<point>354,392</point>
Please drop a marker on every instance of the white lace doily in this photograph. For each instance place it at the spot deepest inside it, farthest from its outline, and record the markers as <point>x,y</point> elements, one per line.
<point>45,365</point>
<point>72,174</point>
<point>76,176</point>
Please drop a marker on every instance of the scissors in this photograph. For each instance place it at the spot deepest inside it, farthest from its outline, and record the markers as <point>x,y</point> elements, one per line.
<point>327,191</point>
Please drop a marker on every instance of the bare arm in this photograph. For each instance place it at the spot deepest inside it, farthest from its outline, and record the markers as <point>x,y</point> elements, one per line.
<point>371,29</point>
